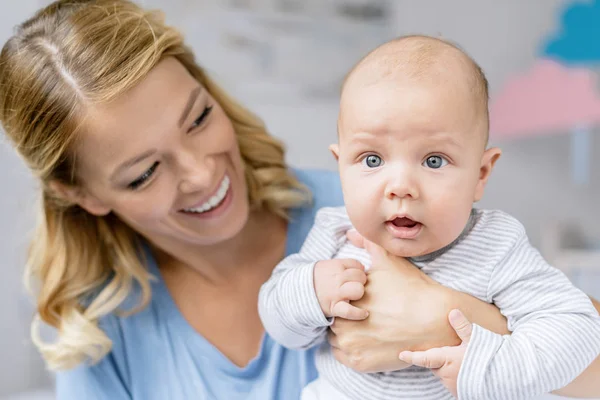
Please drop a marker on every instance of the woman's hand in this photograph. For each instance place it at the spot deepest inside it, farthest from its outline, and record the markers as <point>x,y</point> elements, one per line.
<point>407,311</point>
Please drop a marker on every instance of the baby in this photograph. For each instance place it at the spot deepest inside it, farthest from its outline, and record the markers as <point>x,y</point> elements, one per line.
<point>413,158</point>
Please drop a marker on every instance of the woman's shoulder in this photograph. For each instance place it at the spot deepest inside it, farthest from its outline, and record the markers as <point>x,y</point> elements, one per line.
<point>326,191</point>
<point>128,332</point>
<point>324,186</point>
<point>107,378</point>
<point>133,335</point>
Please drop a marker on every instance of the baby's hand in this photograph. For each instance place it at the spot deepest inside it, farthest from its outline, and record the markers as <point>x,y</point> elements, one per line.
<point>445,362</point>
<point>337,282</point>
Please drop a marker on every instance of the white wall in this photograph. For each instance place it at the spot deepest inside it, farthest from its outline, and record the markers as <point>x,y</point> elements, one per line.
<point>20,365</point>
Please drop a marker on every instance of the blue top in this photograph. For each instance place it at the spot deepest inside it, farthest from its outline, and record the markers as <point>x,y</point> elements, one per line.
<point>156,354</point>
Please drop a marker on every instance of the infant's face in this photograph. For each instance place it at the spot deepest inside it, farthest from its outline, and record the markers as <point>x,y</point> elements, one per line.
<point>410,160</point>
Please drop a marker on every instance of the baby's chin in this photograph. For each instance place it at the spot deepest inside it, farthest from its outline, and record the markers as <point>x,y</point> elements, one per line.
<point>409,248</point>
<point>422,245</point>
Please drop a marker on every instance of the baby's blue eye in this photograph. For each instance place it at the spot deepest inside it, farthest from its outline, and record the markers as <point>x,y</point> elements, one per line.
<point>435,162</point>
<point>373,161</point>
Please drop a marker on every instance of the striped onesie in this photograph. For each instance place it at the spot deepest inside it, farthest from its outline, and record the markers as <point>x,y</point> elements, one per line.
<point>555,329</point>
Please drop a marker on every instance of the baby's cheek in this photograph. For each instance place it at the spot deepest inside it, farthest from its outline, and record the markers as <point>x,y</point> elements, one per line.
<point>365,219</point>
<point>452,218</point>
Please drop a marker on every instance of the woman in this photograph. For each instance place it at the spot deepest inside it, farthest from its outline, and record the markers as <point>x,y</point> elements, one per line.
<point>165,206</point>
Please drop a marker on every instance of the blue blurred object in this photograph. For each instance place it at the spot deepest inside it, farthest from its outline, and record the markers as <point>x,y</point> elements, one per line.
<point>580,154</point>
<point>576,41</point>
<point>576,44</point>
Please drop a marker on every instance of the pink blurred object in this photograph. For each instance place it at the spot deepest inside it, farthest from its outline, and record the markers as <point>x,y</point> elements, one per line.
<point>548,99</point>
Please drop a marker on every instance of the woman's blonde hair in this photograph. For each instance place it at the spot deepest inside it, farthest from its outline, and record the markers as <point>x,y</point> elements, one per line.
<point>72,55</point>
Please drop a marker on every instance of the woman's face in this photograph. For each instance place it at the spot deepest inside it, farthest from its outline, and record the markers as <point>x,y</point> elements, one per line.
<point>165,159</point>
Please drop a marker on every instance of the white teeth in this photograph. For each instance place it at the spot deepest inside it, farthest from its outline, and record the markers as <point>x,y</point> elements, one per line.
<point>214,200</point>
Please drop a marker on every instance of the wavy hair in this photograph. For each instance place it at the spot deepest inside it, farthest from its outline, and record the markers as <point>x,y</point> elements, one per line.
<point>72,55</point>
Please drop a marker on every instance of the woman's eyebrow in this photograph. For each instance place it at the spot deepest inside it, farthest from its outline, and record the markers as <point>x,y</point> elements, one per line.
<point>190,103</point>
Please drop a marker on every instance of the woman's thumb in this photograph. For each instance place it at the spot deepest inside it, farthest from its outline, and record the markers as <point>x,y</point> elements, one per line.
<point>462,326</point>
<point>355,238</point>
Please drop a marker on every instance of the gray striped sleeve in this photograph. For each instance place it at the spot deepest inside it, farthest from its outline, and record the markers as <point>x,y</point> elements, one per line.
<point>287,303</point>
<point>556,330</point>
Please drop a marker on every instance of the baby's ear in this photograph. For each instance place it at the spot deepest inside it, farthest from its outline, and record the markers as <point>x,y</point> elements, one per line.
<point>490,156</point>
<point>335,150</point>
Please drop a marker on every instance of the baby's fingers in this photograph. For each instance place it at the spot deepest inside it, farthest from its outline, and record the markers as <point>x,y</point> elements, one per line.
<point>432,358</point>
<point>355,275</point>
<point>351,291</point>
<point>343,309</point>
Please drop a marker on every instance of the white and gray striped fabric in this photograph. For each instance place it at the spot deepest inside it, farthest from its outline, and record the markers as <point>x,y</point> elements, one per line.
<point>555,329</point>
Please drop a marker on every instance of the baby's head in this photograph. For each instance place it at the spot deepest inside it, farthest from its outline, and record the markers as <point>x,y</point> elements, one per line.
<point>413,131</point>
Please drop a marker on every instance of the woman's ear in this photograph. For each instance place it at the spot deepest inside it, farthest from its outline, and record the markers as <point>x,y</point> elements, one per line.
<point>79,196</point>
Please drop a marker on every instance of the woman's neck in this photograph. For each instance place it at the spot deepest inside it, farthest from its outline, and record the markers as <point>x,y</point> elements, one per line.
<point>256,249</point>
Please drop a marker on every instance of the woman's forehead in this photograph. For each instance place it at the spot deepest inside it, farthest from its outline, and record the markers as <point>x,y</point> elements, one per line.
<point>166,86</point>
<point>140,117</point>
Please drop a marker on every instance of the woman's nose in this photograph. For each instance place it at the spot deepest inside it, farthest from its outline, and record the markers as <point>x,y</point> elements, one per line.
<point>196,172</point>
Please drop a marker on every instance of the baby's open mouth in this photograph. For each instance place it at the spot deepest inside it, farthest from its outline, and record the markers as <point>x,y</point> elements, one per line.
<point>404,228</point>
<point>404,222</point>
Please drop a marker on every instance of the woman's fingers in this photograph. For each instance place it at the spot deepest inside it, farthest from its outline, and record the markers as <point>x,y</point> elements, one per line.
<point>376,252</point>
<point>355,238</point>
<point>462,326</point>
<point>359,241</point>
<point>333,340</point>
<point>341,356</point>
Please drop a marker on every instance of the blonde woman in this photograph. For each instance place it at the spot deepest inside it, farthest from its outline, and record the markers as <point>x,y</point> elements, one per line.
<point>164,207</point>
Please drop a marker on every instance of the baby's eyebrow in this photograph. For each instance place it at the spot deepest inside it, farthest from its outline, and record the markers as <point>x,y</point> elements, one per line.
<point>363,136</point>
<point>445,138</point>
<point>361,144</point>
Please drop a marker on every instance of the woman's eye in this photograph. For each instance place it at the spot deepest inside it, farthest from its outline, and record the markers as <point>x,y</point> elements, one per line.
<point>435,162</point>
<point>143,178</point>
<point>372,161</point>
<point>198,122</point>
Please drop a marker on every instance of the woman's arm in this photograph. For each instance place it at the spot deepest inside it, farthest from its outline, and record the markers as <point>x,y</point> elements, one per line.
<point>586,385</point>
<point>446,363</point>
<point>479,312</point>
<point>96,382</point>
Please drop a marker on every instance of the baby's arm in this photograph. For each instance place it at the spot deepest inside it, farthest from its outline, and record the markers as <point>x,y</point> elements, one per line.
<point>289,307</point>
<point>555,331</point>
<point>586,385</point>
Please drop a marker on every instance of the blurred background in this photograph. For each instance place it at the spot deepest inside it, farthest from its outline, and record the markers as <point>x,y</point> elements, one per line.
<point>285,59</point>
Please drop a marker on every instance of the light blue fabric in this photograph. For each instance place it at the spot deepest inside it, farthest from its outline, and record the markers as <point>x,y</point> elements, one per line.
<point>156,355</point>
